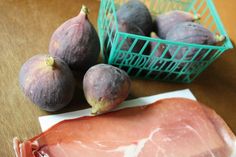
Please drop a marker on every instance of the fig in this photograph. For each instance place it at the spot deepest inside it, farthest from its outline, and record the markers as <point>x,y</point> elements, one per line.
<point>158,61</point>
<point>135,12</point>
<point>161,48</point>
<point>47,81</point>
<point>166,21</point>
<point>105,87</point>
<point>76,42</point>
<point>127,27</point>
<point>154,62</point>
<point>194,33</point>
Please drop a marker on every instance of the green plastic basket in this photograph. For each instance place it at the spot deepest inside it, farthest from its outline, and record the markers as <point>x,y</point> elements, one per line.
<point>150,66</point>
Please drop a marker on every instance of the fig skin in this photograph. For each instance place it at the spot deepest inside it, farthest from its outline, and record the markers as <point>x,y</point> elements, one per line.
<point>76,42</point>
<point>158,60</point>
<point>194,33</point>
<point>164,22</point>
<point>158,53</point>
<point>135,12</point>
<point>160,49</point>
<point>105,87</point>
<point>48,82</point>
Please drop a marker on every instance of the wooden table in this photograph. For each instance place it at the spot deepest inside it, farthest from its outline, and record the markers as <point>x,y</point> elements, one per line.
<point>25,30</point>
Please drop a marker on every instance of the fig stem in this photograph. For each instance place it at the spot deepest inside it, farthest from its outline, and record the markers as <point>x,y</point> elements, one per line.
<point>84,9</point>
<point>95,110</point>
<point>154,35</point>
<point>50,61</point>
<point>196,16</point>
<point>220,38</point>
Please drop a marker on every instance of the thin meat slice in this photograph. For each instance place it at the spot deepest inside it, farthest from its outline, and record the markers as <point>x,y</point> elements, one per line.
<point>174,127</point>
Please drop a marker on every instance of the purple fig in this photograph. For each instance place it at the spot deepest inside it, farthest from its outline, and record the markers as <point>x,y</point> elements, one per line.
<point>166,21</point>
<point>76,42</point>
<point>48,82</point>
<point>105,87</point>
<point>159,51</point>
<point>156,61</point>
<point>193,33</point>
<point>136,13</point>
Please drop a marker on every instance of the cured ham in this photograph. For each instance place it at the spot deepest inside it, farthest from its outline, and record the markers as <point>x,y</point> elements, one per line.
<point>174,127</point>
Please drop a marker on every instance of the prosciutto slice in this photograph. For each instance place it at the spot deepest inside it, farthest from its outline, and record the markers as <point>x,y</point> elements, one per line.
<point>174,127</point>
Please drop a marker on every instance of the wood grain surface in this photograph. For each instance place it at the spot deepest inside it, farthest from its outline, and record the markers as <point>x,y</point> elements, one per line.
<point>25,30</point>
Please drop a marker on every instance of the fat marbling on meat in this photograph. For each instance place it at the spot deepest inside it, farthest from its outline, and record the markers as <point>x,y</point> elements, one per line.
<point>173,127</point>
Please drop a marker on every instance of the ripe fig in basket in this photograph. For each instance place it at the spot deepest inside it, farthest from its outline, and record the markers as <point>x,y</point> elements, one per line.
<point>76,42</point>
<point>158,61</point>
<point>47,81</point>
<point>135,12</point>
<point>193,33</point>
<point>161,48</point>
<point>166,21</point>
<point>105,87</point>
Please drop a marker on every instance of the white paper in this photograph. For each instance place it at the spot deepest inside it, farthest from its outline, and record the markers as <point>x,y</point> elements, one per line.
<point>48,121</point>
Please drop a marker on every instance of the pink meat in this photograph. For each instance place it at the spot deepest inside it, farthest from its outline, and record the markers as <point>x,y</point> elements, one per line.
<point>168,128</point>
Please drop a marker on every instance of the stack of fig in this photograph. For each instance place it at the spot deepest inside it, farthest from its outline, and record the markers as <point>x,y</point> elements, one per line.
<point>48,80</point>
<point>176,26</point>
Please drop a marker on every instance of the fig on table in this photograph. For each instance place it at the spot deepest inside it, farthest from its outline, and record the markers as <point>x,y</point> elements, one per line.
<point>105,87</point>
<point>76,42</point>
<point>47,81</point>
